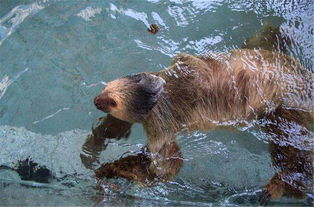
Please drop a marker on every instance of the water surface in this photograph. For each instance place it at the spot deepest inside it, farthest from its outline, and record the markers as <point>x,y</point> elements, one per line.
<point>55,56</point>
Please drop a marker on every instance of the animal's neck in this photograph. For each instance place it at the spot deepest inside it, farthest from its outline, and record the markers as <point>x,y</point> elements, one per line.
<point>162,118</point>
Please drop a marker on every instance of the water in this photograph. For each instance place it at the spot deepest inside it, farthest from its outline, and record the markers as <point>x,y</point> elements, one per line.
<point>55,56</point>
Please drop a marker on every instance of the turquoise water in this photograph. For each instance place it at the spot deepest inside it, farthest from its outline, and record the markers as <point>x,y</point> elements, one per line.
<point>55,56</point>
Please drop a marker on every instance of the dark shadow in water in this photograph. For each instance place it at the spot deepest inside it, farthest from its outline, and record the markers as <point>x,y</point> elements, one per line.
<point>30,170</point>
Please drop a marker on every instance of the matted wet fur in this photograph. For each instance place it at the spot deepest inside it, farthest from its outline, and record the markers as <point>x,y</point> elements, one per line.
<point>206,92</point>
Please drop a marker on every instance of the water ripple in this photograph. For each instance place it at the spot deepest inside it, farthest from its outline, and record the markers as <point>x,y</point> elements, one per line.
<point>141,16</point>
<point>89,12</point>
<point>14,18</point>
<point>6,82</point>
<point>51,115</point>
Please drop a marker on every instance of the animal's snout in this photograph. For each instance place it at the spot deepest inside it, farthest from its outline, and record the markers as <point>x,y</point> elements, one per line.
<point>100,103</point>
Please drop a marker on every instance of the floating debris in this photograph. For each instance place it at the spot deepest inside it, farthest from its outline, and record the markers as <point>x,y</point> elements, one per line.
<point>153,28</point>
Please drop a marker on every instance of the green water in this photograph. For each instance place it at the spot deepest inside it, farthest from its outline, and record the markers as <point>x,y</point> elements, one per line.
<point>55,56</point>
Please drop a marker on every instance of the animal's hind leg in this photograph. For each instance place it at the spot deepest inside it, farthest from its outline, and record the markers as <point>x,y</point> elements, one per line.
<point>273,190</point>
<point>279,185</point>
<point>290,145</point>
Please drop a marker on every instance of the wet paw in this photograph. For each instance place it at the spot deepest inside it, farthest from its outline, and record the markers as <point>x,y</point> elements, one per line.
<point>106,170</point>
<point>265,198</point>
<point>102,184</point>
<point>275,189</point>
<point>133,168</point>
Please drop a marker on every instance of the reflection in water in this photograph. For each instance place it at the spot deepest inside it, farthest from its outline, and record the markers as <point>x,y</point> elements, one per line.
<point>265,86</point>
<point>107,128</point>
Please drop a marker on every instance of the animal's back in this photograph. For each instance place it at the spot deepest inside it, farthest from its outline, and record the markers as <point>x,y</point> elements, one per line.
<point>239,85</point>
<point>279,75</point>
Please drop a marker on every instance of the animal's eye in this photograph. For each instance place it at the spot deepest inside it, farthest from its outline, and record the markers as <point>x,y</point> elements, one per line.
<point>112,103</point>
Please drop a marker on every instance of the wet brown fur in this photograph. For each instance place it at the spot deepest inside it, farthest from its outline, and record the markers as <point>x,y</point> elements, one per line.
<point>206,92</point>
<point>202,92</point>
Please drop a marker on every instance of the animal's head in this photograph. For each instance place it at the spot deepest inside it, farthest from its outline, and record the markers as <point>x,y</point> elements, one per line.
<point>130,98</point>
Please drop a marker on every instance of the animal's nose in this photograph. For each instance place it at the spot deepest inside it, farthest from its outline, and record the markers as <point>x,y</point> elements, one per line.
<point>99,102</point>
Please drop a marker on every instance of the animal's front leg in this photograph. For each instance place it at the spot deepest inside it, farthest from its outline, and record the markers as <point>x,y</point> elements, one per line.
<point>133,168</point>
<point>145,168</point>
<point>166,158</point>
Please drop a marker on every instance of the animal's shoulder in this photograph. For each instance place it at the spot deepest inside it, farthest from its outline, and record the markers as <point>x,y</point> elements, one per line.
<point>203,64</point>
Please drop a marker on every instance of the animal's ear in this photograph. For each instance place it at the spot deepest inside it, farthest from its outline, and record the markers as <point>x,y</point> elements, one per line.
<point>146,95</point>
<point>152,83</point>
